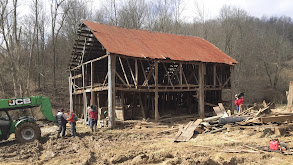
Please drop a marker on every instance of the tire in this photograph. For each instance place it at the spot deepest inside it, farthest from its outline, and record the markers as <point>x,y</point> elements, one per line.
<point>27,132</point>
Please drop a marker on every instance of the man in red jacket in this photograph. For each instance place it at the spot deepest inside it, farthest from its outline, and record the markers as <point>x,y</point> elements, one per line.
<point>72,123</point>
<point>93,117</point>
<point>238,102</point>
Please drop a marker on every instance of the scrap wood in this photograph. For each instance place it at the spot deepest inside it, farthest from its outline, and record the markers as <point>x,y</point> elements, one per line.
<point>182,130</point>
<point>281,118</point>
<point>245,111</point>
<point>239,151</point>
<point>253,148</point>
<point>188,131</point>
<point>223,109</point>
<point>213,118</point>
<point>258,113</point>
<point>218,130</point>
<point>220,111</point>
<point>168,130</point>
<point>231,140</point>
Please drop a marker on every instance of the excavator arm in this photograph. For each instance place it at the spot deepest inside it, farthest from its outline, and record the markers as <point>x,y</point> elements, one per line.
<point>29,102</point>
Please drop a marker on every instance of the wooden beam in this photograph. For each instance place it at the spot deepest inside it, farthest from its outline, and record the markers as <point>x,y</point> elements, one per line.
<point>92,84</point>
<point>125,76</point>
<point>169,79</point>
<point>157,116</point>
<point>185,78</point>
<point>141,106</point>
<point>104,83</point>
<point>215,74</point>
<point>97,59</point>
<point>131,72</point>
<point>142,68</point>
<point>226,81</point>
<point>136,74</point>
<point>148,77</point>
<point>111,89</point>
<point>180,73</point>
<point>232,89</point>
<point>201,90</point>
<point>121,79</point>
<point>77,76</point>
<point>277,119</point>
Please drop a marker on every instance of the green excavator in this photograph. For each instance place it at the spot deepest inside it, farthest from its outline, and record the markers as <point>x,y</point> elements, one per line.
<point>25,127</point>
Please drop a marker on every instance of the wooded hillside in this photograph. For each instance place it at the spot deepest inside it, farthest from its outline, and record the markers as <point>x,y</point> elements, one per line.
<point>36,45</point>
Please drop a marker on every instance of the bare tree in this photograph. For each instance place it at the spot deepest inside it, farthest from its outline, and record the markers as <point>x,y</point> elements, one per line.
<point>57,21</point>
<point>132,14</point>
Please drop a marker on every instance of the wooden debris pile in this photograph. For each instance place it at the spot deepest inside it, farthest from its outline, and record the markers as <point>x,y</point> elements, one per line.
<point>251,117</point>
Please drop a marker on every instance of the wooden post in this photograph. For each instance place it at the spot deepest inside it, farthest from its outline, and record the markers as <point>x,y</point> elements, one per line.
<point>180,74</point>
<point>84,96</point>
<point>201,90</point>
<point>122,104</point>
<point>70,92</point>
<point>215,74</point>
<point>98,107</point>
<point>156,92</point>
<point>111,89</point>
<point>92,85</point>
<point>232,89</point>
<point>136,74</point>
<point>141,106</point>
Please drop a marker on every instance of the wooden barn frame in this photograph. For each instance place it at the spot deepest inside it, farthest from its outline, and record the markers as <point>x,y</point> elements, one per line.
<point>142,86</point>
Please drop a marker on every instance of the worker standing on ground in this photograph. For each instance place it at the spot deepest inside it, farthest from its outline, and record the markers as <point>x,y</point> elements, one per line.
<point>238,102</point>
<point>93,118</point>
<point>61,120</point>
<point>89,117</point>
<point>72,121</point>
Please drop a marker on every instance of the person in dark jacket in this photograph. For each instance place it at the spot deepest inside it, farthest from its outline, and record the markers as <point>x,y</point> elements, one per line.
<point>61,120</point>
<point>93,118</point>
<point>72,123</point>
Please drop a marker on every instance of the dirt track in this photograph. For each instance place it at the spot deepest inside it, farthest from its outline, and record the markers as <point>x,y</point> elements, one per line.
<point>134,144</point>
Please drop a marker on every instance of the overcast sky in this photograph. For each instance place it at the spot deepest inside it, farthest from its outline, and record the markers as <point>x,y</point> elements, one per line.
<point>257,8</point>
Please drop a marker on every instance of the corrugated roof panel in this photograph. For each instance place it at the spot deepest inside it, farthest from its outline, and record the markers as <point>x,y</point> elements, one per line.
<point>142,43</point>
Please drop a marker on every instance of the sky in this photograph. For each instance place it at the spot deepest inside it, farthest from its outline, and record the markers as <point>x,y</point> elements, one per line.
<point>256,8</point>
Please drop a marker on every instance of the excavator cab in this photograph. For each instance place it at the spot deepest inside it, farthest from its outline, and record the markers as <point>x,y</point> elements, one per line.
<point>5,124</point>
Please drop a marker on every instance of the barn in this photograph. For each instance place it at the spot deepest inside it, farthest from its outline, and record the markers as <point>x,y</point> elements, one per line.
<point>135,74</point>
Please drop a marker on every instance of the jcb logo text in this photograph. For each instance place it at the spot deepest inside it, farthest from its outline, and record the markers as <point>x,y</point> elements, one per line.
<point>19,101</point>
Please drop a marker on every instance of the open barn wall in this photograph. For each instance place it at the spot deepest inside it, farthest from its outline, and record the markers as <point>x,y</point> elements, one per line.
<point>142,87</point>
<point>177,81</point>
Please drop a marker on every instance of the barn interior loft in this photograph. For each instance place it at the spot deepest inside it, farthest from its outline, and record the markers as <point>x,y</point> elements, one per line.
<point>135,74</point>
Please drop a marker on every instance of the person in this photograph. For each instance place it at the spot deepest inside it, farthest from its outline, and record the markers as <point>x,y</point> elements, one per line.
<point>72,123</point>
<point>238,102</point>
<point>61,120</point>
<point>88,113</point>
<point>93,118</point>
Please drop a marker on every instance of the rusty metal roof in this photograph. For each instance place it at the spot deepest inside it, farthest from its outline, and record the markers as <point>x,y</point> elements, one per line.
<point>155,45</point>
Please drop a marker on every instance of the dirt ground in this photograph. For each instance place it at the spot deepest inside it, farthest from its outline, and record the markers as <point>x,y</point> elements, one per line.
<point>133,143</point>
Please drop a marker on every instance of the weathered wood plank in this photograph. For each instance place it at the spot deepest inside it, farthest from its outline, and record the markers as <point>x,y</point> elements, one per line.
<point>278,119</point>
<point>188,133</point>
